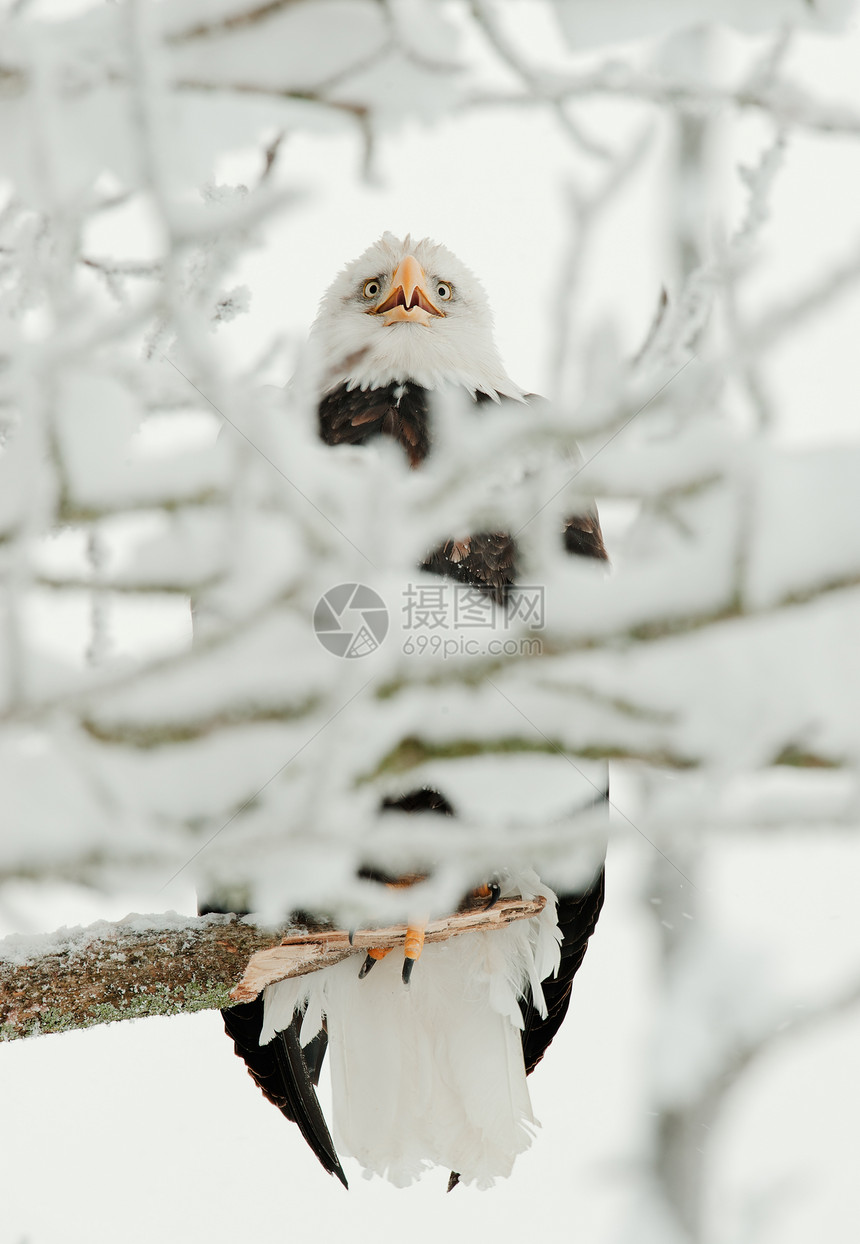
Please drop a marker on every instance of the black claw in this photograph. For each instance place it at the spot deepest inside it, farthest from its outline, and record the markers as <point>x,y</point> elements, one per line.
<point>453,1181</point>
<point>351,936</point>
<point>366,966</point>
<point>406,974</point>
<point>495,895</point>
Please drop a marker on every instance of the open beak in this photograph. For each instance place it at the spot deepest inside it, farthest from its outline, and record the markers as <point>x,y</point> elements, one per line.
<point>407,298</point>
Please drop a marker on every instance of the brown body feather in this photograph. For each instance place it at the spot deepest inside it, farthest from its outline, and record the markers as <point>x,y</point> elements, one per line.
<point>400,411</point>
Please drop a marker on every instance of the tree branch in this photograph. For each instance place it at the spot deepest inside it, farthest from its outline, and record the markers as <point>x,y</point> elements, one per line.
<point>231,22</point>
<point>165,964</point>
<point>784,101</point>
<point>142,965</point>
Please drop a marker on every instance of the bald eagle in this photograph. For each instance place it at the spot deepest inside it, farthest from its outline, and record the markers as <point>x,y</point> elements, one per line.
<point>432,1072</point>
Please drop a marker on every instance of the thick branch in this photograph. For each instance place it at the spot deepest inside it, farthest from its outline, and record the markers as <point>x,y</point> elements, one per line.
<point>143,965</point>
<point>164,964</point>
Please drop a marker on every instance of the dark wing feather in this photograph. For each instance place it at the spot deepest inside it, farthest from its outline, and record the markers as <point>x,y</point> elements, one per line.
<point>583,537</point>
<point>286,1074</point>
<point>303,1104</point>
<point>577,917</point>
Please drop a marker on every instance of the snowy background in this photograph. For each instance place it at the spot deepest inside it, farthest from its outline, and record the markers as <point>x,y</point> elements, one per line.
<point>580,158</point>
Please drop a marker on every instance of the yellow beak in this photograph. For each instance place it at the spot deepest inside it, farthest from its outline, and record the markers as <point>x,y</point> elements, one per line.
<point>407,298</point>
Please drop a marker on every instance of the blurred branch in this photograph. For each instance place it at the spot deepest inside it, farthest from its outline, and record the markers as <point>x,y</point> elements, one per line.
<point>537,82</point>
<point>799,1023</point>
<point>682,1152</point>
<point>409,40</point>
<point>245,17</point>
<point>270,155</point>
<point>12,80</point>
<point>585,209</point>
<point>773,325</point>
<point>356,110</point>
<point>759,181</point>
<point>142,587</point>
<point>120,267</point>
<point>786,103</point>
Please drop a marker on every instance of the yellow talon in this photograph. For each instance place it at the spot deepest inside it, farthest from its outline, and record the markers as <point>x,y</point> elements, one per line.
<point>412,949</point>
<point>414,942</point>
<point>373,955</point>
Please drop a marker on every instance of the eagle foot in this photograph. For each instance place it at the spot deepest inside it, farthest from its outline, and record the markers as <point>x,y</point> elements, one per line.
<point>411,952</point>
<point>373,956</point>
<point>491,891</point>
<point>412,949</point>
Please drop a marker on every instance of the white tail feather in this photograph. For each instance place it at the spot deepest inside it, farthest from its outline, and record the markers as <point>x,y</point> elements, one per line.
<point>433,1074</point>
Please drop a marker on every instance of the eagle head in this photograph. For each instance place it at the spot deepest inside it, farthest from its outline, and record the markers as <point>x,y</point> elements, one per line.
<point>408,311</point>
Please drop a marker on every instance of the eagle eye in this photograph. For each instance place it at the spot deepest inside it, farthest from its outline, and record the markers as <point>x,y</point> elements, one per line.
<point>444,291</point>
<point>371,288</point>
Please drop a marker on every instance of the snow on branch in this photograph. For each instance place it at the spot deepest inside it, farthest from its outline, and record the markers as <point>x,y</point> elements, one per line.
<point>167,964</point>
<point>256,744</point>
<point>144,965</point>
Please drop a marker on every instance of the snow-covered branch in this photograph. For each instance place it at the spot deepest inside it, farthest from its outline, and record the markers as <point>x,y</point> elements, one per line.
<point>256,526</point>
<point>166,964</point>
<point>143,965</point>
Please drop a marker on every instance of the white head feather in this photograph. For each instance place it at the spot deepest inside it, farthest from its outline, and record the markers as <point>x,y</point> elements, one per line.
<point>356,346</point>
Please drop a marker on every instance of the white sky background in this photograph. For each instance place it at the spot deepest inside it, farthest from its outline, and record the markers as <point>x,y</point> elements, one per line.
<point>152,1129</point>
